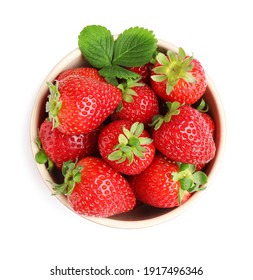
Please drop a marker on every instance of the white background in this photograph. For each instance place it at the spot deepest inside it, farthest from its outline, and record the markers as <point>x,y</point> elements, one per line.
<point>37,231</point>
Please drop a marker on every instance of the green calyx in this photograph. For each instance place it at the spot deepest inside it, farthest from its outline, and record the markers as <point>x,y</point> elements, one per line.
<point>130,144</point>
<point>72,175</point>
<point>173,110</point>
<point>173,68</point>
<point>203,107</point>
<point>189,180</point>
<point>53,104</point>
<point>127,91</point>
<point>41,157</point>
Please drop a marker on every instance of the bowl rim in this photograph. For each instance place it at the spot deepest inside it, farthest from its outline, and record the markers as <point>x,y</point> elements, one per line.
<point>65,63</point>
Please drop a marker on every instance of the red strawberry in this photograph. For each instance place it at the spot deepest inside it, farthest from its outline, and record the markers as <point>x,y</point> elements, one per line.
<point>143,71</point>
<point>164,184</point>
<point>60,147</point>
<point>210,122</point>
<point>126,146</point>
<point>93,188</point>
<point>183,135</point>
<point>87,72</point>
<point>177,77</point>
<point>139,103</point>
<point>79,105</point>
<point>203,109</point>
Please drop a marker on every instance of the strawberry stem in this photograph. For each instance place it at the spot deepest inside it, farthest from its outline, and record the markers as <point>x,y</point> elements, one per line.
<point>173,67</point>
<point>130,144</point>
<point>173,110</point>
<point>72,175</point>
<point>53,104</point>
<point>127,91</point>
<point>190,180</point>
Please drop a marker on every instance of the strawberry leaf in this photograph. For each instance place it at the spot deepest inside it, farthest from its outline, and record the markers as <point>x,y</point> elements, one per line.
<point>96,44</point>
<point>134,47</point>
<point>116,71</point>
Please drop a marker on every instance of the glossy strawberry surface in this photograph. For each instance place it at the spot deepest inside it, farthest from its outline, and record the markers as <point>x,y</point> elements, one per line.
<point>86,103</point>
<point>102,192</point>
<point>143,107</point>
<point>87,72</point>
<point>60,147</point>
<point>186,138</point>
<point>155,186</point>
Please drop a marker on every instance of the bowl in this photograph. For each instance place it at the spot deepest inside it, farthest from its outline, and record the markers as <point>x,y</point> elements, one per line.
<point>142,215</point>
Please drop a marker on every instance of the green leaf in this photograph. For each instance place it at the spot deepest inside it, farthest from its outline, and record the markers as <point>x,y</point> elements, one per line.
<point>134,127</point>
<point>185,166</point>
<point>128,98</point>
<point>96,44</point>
<point>134,47</point>
<point>200,178</point>
<point>139,129</point>
<point>122,139</point>
<point>116,71</point>
<point>138,153</point>
<point>127,132</point>
<point>159,78</point>
<point>203,106</point>
<point>145,140</point>
<point>115,155</point>
<point>185,183</point>
<point>180,195</point>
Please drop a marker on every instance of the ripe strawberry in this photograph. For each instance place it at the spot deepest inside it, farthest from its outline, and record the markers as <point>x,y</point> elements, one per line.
<point>126,146</point>
<point>203,109</point>
<point>93,188</point>
<point>139,103</point>
<point>87,72</point>
<point>60,147</point>
<point>183,135</point>
<point>144,71</point>
<point>164,184</point>
<point>177,77</point>
<point>79,105</point>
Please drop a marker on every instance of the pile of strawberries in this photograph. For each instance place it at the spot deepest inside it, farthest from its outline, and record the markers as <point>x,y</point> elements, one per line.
<point>144,139</point>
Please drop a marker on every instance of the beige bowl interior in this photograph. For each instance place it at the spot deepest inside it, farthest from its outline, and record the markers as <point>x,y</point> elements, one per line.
<point>142,215</point>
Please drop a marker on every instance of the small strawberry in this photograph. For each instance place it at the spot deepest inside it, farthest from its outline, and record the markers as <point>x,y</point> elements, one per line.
<point>126,146</point>
<point>93,188</point>
<point>139,103</point>
<point>144,71</point>
<point>60,147</point>
<point>183,135</point>
<point>79,105</point>
<point>164,184</point>
<point>177,77</point>
<point>87,72</point>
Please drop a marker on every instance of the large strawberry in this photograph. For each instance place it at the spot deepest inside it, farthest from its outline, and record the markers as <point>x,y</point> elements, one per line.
<point>79,105</point>
<point>60,147</point>
<point>87,72</point>
<point>93,188</point>
<point>126,146</point>
<point>164,184</point>
<point>177,77</point>
<point>139,103</point>
<point>183,135</point>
